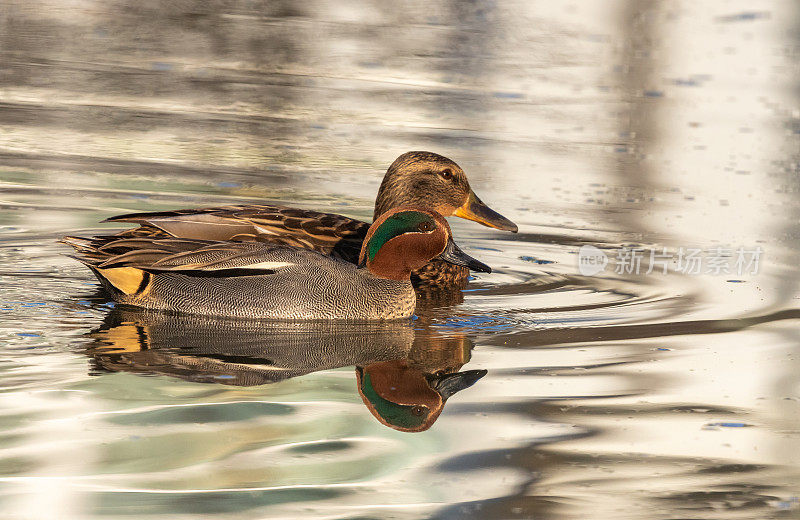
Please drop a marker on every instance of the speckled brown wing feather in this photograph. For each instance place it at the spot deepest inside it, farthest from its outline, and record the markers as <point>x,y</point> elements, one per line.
<point>176,254</point>
<point>327,233</point>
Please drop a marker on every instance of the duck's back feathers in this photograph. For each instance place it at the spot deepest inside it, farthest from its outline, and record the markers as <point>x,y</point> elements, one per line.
<point>327,233</point>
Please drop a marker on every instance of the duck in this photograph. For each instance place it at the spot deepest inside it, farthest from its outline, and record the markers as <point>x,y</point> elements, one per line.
<point>262,280</point>
<point>416,178</point>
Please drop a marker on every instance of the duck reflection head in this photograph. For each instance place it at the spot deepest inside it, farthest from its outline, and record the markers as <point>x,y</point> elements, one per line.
<point>404,397</point>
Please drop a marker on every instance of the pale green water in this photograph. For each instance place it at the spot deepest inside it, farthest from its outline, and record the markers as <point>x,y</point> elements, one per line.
<point>649,124</point>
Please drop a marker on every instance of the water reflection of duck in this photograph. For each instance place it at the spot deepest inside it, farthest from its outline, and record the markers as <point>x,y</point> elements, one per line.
<point>404,374</point>
<point>256,280</point>
<point>422,179</point>
<point>239,352</point>
<point>406,398</point>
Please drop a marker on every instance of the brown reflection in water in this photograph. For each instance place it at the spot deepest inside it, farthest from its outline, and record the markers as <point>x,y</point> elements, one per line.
<point>404,374</point>
<point>639,124</point>
<point>653,330</point>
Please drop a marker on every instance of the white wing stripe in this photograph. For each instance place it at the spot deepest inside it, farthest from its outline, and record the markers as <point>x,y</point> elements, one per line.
<point>266,265</point>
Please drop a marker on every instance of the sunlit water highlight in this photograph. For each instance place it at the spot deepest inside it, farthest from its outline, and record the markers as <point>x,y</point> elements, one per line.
<point>612,124</point>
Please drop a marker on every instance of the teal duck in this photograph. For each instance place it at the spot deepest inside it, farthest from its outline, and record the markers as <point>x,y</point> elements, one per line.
<point>275,281</point>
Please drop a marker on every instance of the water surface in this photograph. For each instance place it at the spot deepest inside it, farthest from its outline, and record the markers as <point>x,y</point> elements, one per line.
<point>658,126</point>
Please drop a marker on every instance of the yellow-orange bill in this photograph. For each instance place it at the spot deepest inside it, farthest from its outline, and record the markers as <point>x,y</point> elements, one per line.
<point>474,209</point>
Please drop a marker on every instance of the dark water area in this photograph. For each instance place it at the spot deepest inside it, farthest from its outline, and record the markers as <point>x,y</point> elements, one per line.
<point>633,355</point>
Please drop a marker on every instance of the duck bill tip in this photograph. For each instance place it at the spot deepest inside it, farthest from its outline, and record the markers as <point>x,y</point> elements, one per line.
<point>448,384</point>
<point>474,209</point>
<point>453,254</point>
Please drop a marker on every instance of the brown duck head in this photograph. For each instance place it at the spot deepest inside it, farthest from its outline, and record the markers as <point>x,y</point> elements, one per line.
<point>433,181</point>
<point>406,238</point>
<point>405,398</point>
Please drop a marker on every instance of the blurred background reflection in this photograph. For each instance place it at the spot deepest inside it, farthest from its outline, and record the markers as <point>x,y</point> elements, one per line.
<point>640,124</point>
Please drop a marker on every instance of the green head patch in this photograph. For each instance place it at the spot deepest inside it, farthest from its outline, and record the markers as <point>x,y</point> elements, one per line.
<point>396,225</point>
<point>402,416</point>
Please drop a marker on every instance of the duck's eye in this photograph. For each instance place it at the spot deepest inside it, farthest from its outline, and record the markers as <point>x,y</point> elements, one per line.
<point>424,227</point>
<point>447,174</point>
<point>418,410</point>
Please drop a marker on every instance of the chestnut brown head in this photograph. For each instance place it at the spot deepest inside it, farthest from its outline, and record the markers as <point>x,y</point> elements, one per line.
<point>405,398</point>
<point>406,238</point>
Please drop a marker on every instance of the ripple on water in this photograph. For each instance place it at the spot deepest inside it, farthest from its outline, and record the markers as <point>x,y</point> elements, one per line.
<point>612,396</point>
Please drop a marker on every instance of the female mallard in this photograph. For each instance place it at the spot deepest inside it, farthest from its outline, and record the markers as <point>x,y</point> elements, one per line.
<point>421,179</point>
<point>260,280</point>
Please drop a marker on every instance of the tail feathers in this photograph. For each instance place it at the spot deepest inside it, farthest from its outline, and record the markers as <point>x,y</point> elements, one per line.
<point>87,253</point>
<point>82,259</point>
<point>87,249</point>
<point>129,281</point>
<point>78,242</point>
<point>122,282</point>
